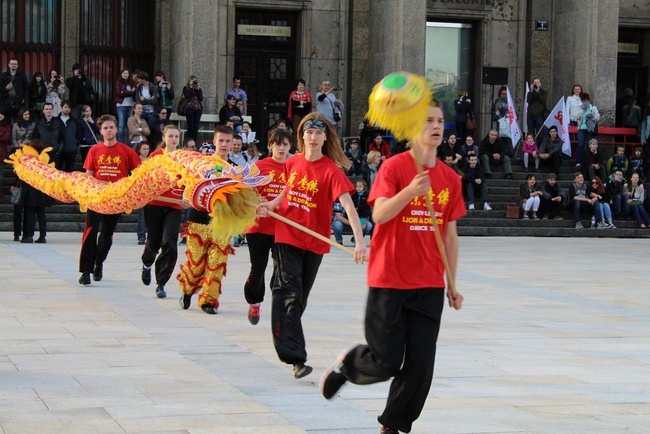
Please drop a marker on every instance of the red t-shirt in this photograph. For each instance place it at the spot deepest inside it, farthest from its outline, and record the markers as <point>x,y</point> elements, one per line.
<point>404,253</point>
<point>312,188</point>
<point>111,163</point>
<point>268,166</point>
<point>173,193</point>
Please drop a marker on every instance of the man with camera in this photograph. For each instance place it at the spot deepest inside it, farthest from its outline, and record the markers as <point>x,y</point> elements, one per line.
<point>80,90</point>
<point>537,110</point>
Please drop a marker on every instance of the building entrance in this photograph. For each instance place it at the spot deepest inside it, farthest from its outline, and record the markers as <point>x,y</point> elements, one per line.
<point>265,60</point>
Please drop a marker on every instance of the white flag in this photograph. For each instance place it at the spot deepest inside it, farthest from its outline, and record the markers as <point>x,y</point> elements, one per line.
<point>515,132</point>
<point>525,115</point>
<point>557,118</point>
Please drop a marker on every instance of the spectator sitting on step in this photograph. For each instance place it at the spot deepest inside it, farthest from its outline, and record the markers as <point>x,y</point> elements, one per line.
<point>356,157</point>
<point>494,150</point>
<point>599,192</point>
<point>236,155</point>
<point>618,160</point>
<point>550,151</point>
<point>593,161</point>
<point>247,134</point>
<point>580,200</point>
<point>530,197</point>
<point>380,145</point>
<point>552,198</point>
<point>341,222</point>
<point>529,150</point>
<point>615,191</point>
<point>467,149</point>
<point>453,148</point>
<point>475,183</point>
<point>449,161</point>
<point>637,163</point>
<point>635,196</point>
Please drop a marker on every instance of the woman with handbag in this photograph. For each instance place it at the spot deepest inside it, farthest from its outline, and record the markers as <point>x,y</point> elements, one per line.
<point>587,126</point>
<point>635,196</point>
<point>124,99</point>
<point>328,104</point>
<point>138,127</point>
<point>193,95</point>
<point>33,202</point>
<point>89,129</point>
<point>16,190</point>
<point>23,129</point>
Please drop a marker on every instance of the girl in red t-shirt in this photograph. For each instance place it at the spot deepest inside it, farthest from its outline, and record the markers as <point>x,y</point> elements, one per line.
<point>261,236</point>
<point>163,219</point>
<point>314,180</point>
<point>406,295</point>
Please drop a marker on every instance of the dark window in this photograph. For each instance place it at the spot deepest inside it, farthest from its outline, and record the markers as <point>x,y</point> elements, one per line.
<point>115,34</point>
<point>30,32</point>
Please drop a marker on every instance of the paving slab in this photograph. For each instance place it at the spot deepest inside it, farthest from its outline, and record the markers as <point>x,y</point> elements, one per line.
<point>554,337</point>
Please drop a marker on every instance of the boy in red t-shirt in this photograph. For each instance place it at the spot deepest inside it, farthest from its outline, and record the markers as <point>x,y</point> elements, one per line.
<point>261,236</point>
<point>407,286</point>
<point>314,180</point>
<point>107,161</point>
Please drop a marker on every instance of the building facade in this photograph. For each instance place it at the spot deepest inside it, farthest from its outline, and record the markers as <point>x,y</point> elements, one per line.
<point>478,45</point>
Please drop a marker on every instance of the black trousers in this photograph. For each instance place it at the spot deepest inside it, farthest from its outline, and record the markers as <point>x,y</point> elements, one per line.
<point>259,246</point>
<point>18,220</point>
<point>401,329</point>
<point>294,273</point>
<point>550,208</point>
<point>162,224</point>
<point>94,249</point>
<point>66,161</point>
<point>31,214</point>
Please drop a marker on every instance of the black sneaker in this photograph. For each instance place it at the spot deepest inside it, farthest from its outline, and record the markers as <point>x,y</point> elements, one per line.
<point>27,240</point>
<point>352,240</point>
<point>301,370</point>
<point>185,301</point>
<point>98,272</point>
<point>209,309</point>
<point>41,240</point>
<point>331,381</point>
<point>85,278</point>
<point>160,291</point>
<point>146,275</point>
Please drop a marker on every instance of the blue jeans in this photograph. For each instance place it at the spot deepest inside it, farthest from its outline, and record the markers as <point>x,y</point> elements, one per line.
<point>580,206</point>
<point>620,204</point>
<point>640,214</point>
<point>193,119</point>
<point>583,137</point>
<point>535,123</point>
<point>123,114</point>
<point>338,227</point>
<point>473,188</point>
<point>605,210</point>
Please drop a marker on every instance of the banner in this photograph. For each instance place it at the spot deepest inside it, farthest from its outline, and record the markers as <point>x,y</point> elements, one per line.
<point>557,118</point>
<point>515,132</point>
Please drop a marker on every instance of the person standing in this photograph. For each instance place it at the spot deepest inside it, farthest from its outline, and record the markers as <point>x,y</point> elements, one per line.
<point>72,135</point>
<point>314,177</point>
<point>33,203</point>
<point>23,129</point>
<point>193,94</point>
<point>124,99</point>
<point>13,90</point>
<point>80,90</point>
<point>5,144</point>
<point>537,110</point>
<point>463,106</point>
<point>146,93</point>
<point>238,93</point>
<point>50,131</point>
<point>407,287</point>
<point>108,161</point>
<point>55,91</point>
<point>163,219</point>
<point>328,104</point>
<point>299,104</point>
<point>37,93</point>
<point>261,235</point>
<point>165,91</point>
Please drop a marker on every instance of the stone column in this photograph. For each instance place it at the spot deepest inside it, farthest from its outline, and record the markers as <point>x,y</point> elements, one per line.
<point>585,50</point>
<point>70,27</point>
<point>195,31</point>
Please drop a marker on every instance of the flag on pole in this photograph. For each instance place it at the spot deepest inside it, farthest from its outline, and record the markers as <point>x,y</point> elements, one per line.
<point>525,115</point>
<point>557,118</point>
<point>515,132</point>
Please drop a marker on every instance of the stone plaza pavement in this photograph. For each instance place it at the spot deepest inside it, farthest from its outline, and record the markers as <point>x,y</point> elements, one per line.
<point>554,337</point>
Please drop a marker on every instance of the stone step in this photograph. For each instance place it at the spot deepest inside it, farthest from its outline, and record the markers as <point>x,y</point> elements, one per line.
<point>494,219</point>
<point>476,231</point>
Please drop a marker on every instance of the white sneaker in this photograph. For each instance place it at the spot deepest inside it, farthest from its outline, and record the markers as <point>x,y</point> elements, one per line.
<point>471,206</point>
<point>487,207</point>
